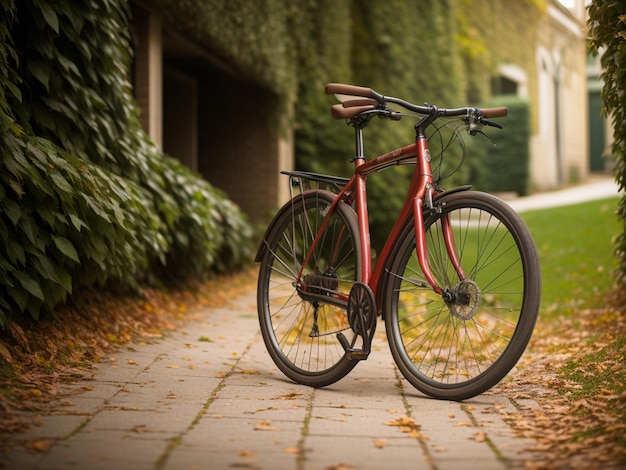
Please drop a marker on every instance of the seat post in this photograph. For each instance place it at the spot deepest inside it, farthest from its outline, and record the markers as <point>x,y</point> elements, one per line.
<point>358,137</point>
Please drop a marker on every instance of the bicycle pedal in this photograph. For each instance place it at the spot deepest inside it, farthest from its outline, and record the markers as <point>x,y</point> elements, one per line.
<point>353,354</point>
<point>358,354</point>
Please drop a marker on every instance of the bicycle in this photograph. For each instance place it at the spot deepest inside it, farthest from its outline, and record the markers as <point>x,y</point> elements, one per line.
<point>457,282</point>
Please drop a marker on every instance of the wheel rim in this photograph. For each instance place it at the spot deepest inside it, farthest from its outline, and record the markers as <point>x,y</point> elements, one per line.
<point>302,333</point>
<point>449,344</point>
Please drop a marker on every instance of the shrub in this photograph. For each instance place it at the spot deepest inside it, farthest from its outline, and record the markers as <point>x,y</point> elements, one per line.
<point>506,165</point>
<point>86,199</point>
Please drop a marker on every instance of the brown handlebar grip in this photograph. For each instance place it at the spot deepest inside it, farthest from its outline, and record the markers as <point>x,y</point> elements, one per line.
<point>359,102</point>
<point>337,111</point>
<point>495,112</point>
<point>343,89</point>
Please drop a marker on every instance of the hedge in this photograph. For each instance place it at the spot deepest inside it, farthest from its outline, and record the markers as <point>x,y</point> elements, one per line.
<point>87,201</point>
<point>505,166</point>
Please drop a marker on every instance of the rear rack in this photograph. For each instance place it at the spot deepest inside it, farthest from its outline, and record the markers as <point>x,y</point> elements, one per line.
<point>307,180</point>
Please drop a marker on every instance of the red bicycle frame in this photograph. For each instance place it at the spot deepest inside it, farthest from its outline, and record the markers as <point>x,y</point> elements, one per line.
<point>421,187</point>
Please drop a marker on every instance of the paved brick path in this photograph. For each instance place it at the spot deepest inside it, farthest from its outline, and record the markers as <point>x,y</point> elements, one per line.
<point>188,403</point>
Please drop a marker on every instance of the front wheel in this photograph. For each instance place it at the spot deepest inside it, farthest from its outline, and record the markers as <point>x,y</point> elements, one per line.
<point>460,344</point>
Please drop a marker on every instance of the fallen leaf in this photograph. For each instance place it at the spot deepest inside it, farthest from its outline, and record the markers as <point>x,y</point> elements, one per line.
<point>40,445</point>
<point>480,437</point>
<point>289,396</point>
<point>380,443</point>
<point>265,425</point>
<point>4,352</point>
<point>403,421</point>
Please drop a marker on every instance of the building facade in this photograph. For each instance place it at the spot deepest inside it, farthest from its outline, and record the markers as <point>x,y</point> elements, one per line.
<point>239,135</point>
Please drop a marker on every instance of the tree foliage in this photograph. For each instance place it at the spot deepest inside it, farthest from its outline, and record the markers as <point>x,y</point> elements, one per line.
<point>86,199</point>
<point>607,27</point>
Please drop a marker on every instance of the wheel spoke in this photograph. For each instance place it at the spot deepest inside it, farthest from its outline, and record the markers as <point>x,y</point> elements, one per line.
<point>301,335</point>
<point>461,345</point>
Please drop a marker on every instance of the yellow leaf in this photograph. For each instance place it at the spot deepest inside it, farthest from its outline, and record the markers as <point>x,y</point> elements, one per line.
<point>265,425</point>
<point>40,445</point>
<point>380,443</point>
<point>480,437</point>
<point>289,396</point>
<point>291,450</point>
<point>4,352</point>
<point>403,421</point>
<point>464,423</point>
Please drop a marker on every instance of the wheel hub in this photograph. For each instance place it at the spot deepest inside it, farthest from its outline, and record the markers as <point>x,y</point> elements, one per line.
<point>322,283</point>
<point>463,300</point>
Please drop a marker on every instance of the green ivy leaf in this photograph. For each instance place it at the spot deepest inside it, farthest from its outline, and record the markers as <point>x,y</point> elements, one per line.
<point>77,222</point>
<point>65,246</point>
<point>50,16</point>
<point>40,71</point>
<point>12,210</point>
<point>29,284</point>
<point>61,182</point>
<point>15,252</point>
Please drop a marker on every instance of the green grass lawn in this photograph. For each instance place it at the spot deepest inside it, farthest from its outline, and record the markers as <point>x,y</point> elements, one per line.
<point>576,251</point>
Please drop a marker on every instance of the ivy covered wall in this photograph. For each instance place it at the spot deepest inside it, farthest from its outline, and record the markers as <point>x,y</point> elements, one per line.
<point>86,200</point>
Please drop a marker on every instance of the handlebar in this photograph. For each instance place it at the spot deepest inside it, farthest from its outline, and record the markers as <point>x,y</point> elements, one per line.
<point>357,99</point>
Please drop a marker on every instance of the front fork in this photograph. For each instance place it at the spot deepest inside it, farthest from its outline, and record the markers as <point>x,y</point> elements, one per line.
<point>421,243</point>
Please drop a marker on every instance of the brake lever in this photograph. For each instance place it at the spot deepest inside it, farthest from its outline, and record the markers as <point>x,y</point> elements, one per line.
<point>487,122</point>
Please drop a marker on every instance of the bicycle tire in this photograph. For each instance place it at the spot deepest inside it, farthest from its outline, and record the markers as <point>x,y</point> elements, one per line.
<point>453,350</point>
<point>302,342</point>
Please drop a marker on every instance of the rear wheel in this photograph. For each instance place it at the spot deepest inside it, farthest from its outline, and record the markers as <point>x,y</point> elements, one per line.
<point>460,344</point>
<point>299,329</point>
